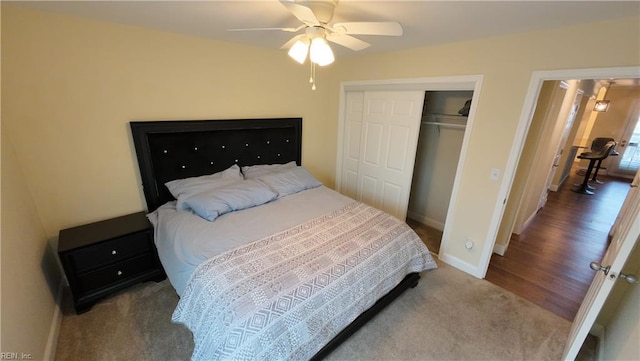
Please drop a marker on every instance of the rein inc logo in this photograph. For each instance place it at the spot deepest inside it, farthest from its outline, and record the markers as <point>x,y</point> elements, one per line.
<point>15,356</point>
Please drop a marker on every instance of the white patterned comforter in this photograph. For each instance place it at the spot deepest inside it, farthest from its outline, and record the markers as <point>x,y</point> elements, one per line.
<point>283,297</point>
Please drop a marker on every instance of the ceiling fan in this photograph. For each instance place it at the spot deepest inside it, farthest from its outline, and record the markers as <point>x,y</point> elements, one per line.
<point>316,16</point>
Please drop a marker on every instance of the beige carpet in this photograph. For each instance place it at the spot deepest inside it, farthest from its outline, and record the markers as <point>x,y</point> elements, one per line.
<point>448,316</point>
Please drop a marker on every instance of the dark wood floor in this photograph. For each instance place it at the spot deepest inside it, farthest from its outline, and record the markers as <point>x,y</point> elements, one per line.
<point>430,236</point>
<point>548,264</point>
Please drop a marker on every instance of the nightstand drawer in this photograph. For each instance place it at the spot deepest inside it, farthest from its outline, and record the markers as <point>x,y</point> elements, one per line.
<point>108,252</point>
<point>103,257</point>
<point>117,273</point>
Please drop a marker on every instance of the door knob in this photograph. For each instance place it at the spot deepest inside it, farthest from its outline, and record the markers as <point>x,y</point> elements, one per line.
<point>596,266</point>
<point>629,278</point>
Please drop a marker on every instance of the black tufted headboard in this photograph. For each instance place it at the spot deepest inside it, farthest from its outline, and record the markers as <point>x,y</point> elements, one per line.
<point>169,150</point>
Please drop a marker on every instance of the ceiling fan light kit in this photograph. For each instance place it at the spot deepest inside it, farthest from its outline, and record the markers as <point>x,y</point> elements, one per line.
<point>314,44</point>
<point>320,52</point>
<point>299,50</point>
<point>315,16</point>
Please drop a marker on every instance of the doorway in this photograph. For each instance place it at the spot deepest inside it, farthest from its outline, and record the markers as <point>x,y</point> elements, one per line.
<point>524,212</point>
<point>535,153</point>
<point>579,268</point>
<point>440,140</point>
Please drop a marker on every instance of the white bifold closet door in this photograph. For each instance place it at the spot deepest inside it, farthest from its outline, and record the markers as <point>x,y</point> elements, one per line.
<point>380,139</point>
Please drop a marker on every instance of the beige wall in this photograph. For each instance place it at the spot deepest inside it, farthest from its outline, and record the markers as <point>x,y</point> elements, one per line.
<point>70,86</point>
<point>73,86</point>
<point>539,148</point>
<point>30,275</point>
<point>507,64</point>
<point>516,199</point>
<point>612,123</point>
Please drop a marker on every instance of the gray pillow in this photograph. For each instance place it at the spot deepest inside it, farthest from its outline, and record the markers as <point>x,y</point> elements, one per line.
<point>184,188</point>
<point>213,203</point>
<point>255,171</point>
<point>290,181</point>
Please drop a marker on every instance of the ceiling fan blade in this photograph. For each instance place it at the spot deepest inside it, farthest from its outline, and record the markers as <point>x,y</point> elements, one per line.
<point>292,41</point>
<point>289,30</point>
<point>301,12</point>
<point>348,41</point>
<point>389,28</point>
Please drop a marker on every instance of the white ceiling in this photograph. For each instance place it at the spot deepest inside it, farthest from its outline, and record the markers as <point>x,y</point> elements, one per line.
<point>424,22</point>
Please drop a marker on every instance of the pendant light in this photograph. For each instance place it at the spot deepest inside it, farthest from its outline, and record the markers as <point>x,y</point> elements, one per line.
<point>603,104</point>
<point>320,52</point>
<point>299,50</point>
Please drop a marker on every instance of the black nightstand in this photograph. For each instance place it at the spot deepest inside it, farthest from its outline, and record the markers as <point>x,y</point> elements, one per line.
<point>103,257</point>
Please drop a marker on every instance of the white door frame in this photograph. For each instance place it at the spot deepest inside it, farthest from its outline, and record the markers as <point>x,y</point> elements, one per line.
<point>455,83</point>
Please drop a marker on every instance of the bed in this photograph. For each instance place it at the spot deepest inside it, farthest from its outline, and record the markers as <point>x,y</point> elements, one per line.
<point>269,263</point>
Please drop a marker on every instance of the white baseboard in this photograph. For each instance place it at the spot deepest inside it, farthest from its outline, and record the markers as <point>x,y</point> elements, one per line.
<point>54,330</point>
<point>460,264</point>
<point>598,331</point>
<point>526,223</point>
<point>425,220</point>
<point>499,249</point>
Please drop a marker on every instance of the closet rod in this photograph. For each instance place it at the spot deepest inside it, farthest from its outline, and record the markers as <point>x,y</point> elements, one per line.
<point>446,116</point>
<point>446,125</point>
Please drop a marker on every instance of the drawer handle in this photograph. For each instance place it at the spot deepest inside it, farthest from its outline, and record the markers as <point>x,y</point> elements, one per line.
<point>114,252</point>
<point>119,273</point>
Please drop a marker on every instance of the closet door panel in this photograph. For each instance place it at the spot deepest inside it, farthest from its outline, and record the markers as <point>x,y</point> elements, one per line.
<point>350,184</point>
<point>402,108</point>
<point>397,155</point>
<point>351,144</point>
<point>376,107</point>
<point>368,190</point>
<point>392,198</point>
<point>390,126</point>
<point>372,143</point>
<point>353,147</point>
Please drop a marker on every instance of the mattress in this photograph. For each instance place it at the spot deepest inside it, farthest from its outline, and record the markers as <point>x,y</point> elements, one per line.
<point>278,281</point>
<point>185,240</point>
